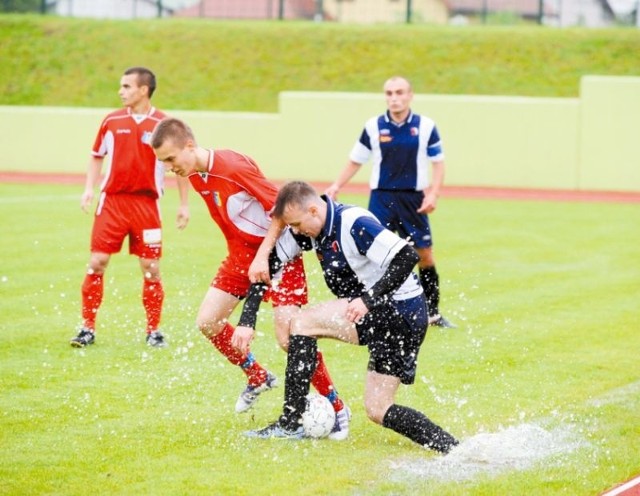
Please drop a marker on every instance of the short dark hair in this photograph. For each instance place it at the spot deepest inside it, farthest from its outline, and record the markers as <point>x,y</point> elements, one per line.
<point>173,129</point>
<point>293,194</point>
<point>145,78</point>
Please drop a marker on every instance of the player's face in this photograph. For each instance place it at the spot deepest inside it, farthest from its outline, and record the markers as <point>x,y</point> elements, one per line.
<point>305,221</point>
<point>398,94</point>
<point>130,93</point>
<point>179,160</point>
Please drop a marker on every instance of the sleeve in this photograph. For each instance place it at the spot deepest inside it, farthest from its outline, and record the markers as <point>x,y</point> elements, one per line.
<point>400,267</point>
<point>99,146</point>
<point>434,146</point>
<point>247,174</point>
<point>375,242</point>
<point>290,245</point>
<point>361,150</point>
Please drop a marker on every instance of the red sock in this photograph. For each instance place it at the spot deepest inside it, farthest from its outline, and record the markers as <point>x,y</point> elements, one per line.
<point>152,298</point>
<point>321,380</point>
<point>92,291</point>
<point>222,341</point>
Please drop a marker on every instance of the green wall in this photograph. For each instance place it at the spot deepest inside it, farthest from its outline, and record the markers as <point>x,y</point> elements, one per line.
<point>585,143</point>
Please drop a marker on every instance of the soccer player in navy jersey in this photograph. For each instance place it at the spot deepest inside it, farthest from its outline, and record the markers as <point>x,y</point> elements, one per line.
<point>379,304</point>
<point>400,145</point>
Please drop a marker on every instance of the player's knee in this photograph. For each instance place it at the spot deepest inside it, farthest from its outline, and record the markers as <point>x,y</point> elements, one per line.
<point>207,327</point>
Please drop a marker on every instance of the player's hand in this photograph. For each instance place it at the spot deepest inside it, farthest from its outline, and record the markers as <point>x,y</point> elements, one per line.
<point>429,203</point>
<point>85,200</point>
<point>183,217</point>
<point>242,338</point>
<point>332,191</point>
<point>259,271</point>
<point>356,310</point>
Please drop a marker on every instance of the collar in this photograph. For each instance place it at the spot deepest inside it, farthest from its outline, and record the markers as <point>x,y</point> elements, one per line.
<point>389,120</point>
<point>329,222</point>
<point>210,164</point>
<point>152,109</point>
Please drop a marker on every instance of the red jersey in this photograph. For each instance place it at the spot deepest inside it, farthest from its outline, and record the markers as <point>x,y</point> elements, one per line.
<point>238,196</point>
<point>131,165</point>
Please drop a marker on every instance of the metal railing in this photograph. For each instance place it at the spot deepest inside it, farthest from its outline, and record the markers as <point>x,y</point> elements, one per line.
<point>559,13</point>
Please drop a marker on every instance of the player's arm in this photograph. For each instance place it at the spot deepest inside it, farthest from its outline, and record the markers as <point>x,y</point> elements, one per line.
<point>345,176</point>
<point>259,268</point>
<point>91,181</point>
<point>398,270</point>
<point>245,330</point>
<point>436,157</point>
<point>432,193</point>
<point>183,210</point>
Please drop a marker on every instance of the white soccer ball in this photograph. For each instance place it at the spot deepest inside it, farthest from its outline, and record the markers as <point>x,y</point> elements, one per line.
<point>319,417</point>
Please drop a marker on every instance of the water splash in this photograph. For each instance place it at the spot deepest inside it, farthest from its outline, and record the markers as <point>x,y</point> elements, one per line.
<point>513,448</point>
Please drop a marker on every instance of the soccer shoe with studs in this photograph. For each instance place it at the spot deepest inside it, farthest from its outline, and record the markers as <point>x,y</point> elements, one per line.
<point>276,431</point>
<point>439,321</point>
<point>156,339</point>
<point>84,338</point>
<point>249,396</point>
<point>340,430</point>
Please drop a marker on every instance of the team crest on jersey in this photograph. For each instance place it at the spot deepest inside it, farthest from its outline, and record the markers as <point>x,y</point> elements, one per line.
<point>216,198</point>
<point>146,137</point>
<point>335,247</point>
<point>414,131</point>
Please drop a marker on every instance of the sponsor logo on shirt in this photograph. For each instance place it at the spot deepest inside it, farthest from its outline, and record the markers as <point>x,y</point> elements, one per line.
<point>385,132</point>
<point>146,137</point>
<point>123,131</point>
<point>385,139</point>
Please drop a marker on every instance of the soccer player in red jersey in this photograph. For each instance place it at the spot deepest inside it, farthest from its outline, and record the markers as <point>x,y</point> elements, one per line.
<point>128,205</point>
<point>239,199</point>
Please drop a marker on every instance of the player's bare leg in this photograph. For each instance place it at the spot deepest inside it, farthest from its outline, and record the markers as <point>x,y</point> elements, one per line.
<point>379,398</point>
<point>212,320</point>
<point>321,379</point>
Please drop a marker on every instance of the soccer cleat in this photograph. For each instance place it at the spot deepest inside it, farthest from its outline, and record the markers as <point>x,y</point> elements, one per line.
<point>156,339</point>
<point>249,396</point>
<point>276,431</point>
<point>439,321</point>
<point>84,338</point>
<point>340,430</point>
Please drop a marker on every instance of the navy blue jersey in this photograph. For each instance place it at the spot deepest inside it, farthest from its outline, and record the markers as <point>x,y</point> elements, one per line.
<point>354,250</point>
<point>400,153</point>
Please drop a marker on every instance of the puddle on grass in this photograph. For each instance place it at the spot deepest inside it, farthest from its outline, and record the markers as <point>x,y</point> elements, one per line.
<point>513,448</point>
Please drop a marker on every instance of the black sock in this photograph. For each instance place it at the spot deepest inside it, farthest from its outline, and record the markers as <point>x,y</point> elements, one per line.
<point>431,286</point>
<point>301,364</point>
<point>417,427</point>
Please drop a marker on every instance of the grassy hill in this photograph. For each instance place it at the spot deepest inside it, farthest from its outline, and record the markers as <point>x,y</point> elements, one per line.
<point>206,64</point>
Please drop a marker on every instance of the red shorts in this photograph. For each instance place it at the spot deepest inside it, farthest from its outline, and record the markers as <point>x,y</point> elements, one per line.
<point>291,289</point>
<point>124,215</point>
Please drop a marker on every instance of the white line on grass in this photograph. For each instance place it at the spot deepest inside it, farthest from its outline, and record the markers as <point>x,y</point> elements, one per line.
<point>38,198</point>
<point>627,485</point>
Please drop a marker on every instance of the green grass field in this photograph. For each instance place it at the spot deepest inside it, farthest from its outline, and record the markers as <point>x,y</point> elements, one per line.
<point>545,295</point>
